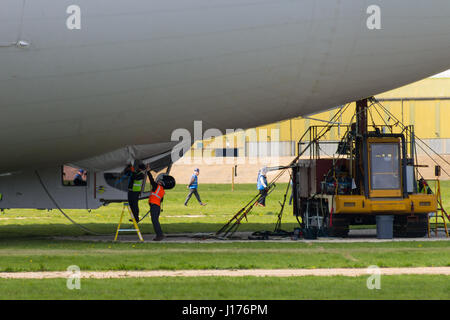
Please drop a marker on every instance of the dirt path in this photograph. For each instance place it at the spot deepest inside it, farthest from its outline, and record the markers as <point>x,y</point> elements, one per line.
<point>227,273</point>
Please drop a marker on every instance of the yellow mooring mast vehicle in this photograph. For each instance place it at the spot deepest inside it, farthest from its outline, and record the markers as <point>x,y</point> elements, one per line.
<point>373,176</point>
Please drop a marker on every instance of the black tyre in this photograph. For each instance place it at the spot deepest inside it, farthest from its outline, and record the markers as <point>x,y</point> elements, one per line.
<point>339,228</point>
<point>415,226</point>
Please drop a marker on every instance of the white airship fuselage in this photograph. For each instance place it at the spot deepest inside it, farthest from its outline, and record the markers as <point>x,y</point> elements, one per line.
<point>120,73</point>
<point>81,78</point>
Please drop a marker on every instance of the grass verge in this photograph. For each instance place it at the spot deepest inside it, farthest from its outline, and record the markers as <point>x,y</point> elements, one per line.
<point>246,288</point>
<point>44,255</point>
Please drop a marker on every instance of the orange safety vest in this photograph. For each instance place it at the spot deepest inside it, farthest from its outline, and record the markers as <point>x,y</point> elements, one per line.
<point>156,197</point>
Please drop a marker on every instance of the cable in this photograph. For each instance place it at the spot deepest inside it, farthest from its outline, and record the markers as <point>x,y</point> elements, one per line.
<point>371,118</point>
<point>63,213</point>
<point>381,117</point>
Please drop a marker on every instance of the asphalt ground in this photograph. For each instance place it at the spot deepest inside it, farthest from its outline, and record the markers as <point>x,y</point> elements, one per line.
<point>358,235</point>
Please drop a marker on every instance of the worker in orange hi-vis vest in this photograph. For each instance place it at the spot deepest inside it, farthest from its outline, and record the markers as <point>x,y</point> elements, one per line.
<point>155,199</point>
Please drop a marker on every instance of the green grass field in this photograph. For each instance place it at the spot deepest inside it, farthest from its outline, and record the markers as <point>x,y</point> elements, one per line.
<point>222,204</point>
<point>222,288</point>
<point>46,255</point>
<point>25,246</point>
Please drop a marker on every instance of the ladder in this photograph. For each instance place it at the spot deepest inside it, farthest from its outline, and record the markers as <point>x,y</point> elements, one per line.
<point>136,227</point>
<point>440,212</point>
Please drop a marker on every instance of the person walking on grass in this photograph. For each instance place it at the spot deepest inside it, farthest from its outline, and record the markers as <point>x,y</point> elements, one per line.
<point>262,186</point>
<point>193,186</point>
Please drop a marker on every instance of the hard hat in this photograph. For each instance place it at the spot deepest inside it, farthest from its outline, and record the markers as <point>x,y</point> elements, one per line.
<point>160,179</point>
<point>166,180</point>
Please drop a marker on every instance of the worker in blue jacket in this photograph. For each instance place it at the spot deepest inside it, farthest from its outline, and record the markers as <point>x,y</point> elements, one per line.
<point>193,186</point>
<point>262,186</point>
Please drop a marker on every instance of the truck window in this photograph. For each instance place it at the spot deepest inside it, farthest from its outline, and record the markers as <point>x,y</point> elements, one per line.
<point>385,166</point>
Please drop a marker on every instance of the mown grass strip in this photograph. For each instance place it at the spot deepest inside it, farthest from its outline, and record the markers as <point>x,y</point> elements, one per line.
<point>296,288</point>
<point>49,256</point>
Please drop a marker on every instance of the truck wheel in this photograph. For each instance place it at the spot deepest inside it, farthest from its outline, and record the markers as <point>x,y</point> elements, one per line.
<point>400,227</point>
<point>340,228</point>
<point>411,227</point>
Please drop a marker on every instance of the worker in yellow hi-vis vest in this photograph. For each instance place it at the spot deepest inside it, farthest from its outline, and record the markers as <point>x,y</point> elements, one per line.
<point>136,175</point>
